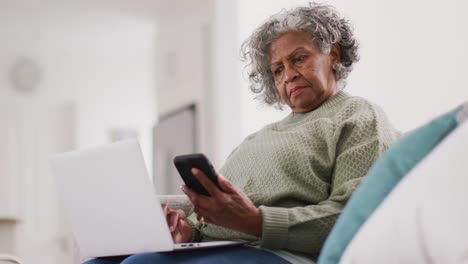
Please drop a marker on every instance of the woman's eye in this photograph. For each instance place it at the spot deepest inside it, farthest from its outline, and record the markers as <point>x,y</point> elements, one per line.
<point>278,70</point>
<point>297,59</point>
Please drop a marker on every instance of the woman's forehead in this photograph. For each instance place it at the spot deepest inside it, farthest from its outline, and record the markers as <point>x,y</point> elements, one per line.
<point>289,42</point>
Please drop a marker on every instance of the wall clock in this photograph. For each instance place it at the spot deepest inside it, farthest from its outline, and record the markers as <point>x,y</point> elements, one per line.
<point>25,75</point>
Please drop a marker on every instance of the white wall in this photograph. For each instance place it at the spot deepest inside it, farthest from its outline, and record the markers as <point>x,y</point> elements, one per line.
<point>98,56</point>
<point>102,59</point>
<point>413,56</point>
<point>198,62</point>
<point>226,73</point>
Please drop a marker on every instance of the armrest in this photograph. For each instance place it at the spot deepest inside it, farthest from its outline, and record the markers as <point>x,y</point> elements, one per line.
<point>177,202</point>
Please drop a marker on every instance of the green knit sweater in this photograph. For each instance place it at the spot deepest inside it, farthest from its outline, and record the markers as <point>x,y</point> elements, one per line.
<point>302,170</point>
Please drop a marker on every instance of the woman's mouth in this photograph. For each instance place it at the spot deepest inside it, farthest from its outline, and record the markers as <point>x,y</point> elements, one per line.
<point>296,90</point>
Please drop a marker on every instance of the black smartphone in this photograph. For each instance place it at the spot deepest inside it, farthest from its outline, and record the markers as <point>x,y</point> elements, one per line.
<point>185,163</point>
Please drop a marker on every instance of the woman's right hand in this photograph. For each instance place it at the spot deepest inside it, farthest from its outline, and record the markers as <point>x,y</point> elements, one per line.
<point>181,230</point>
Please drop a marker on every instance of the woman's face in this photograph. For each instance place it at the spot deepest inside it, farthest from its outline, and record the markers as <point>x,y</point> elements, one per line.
<point>303,74</point>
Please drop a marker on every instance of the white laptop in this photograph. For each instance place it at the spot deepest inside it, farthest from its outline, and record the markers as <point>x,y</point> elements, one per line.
<point>111,204</point>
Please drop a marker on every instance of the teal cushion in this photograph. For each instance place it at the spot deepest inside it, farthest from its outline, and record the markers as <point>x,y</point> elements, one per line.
<point>382,177</point>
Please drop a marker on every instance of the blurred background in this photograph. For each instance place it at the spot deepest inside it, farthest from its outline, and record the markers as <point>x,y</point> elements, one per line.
<point>78,74</point>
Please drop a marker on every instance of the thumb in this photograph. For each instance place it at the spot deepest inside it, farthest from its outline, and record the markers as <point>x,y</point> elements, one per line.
<point>226,185</point>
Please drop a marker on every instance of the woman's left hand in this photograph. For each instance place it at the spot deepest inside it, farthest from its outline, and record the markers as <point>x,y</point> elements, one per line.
<point>229,207</point>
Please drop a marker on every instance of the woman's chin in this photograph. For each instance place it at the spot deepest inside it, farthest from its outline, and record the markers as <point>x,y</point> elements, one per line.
<point>303,106</point>
<point>302,109</point>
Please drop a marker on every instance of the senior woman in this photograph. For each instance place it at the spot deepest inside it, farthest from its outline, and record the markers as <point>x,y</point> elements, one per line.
<point>284,186</point>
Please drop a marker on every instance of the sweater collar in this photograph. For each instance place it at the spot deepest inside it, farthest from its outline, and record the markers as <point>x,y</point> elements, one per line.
<point>331,103</point>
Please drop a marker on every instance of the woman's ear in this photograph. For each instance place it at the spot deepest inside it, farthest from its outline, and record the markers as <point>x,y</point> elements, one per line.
<point>335,53</point>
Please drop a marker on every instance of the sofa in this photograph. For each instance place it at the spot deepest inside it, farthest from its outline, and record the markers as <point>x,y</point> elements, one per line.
<point>410,208</point>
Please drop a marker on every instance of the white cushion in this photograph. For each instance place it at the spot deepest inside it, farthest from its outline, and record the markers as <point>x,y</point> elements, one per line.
<point>425,218</point>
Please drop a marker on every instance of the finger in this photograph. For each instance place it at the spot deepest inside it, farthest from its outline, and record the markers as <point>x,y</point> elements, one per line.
<point>189,192</point>
<point>181,213</point>
<point>175,236</point>
<point>205,182</point>
<point>165,209</point>
<point>226,185</point>
<point>178,235</point>
<point>180,225</point>
<point>196,199</point>
<point>172,220</point>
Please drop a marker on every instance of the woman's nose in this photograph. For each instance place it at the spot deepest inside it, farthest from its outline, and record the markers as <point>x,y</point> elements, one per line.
<point>291,74</point>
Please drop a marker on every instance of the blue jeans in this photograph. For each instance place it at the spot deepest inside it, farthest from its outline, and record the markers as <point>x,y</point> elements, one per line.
<point>229,255</point>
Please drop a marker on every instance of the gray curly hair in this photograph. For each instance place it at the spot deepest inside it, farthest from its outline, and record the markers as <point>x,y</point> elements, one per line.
<point>325,27</point>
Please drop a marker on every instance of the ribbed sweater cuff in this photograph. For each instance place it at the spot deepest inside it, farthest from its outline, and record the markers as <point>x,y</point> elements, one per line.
<point>275,227</point>
<point>196,234</point>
